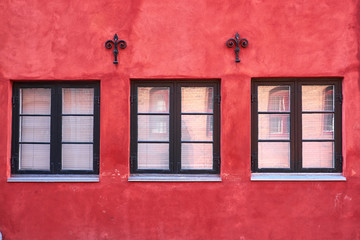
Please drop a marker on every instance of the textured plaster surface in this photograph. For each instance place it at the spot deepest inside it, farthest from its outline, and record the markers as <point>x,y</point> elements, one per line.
<point>64,40</point>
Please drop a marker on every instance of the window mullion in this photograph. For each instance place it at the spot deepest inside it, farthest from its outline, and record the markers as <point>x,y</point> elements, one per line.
<point>297,129</point>
<point>55,138</point>
<point>175,133</point>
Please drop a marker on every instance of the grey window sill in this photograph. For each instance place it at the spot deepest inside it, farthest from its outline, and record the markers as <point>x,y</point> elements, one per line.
<point>53,178</point>
<point>297,177</point>
<point>174,178</point>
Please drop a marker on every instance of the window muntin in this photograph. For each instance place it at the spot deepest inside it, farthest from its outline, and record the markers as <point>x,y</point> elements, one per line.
<point>173,126</point>
<point>55,128</point>
<point>311,140</point>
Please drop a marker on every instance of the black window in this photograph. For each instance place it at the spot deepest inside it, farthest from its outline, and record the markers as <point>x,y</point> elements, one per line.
<point>296,125</point>
<point>55,128</point>
<point>175,126</point>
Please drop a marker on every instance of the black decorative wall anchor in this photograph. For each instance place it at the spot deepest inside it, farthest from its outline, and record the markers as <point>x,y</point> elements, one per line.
<point>238,42</point>
<point>122,45</point>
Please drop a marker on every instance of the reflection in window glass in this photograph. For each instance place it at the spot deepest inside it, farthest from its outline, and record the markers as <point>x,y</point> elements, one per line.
<point>301,138</point>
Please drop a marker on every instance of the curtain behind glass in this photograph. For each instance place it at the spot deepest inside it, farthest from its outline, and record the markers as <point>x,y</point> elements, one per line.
<point>34,129</point>
<point>77,128</point>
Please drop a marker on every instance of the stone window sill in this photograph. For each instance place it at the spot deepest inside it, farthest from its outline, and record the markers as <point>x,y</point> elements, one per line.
<point>325,177</point>
<point>174,178</point>
<point>53,178</point>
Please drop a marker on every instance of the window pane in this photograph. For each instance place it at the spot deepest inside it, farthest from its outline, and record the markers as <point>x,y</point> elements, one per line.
<point>153,128</point>
<point>274,126</point>
<point>274,98</point>
<point>34,129</point>
<point>153,100</point>
<point>318,155</point>
<point>196,156</point>
<point>317,97</point>
<point>318,126</point>
<point>274,155</point>
<point>77,156</point>
<point>34,156</point>
<point>77,128</point>
<point>78,100</point>
<point>196,128</point>
<point>197,99</point>
<point>35,101</point>
<point>153,156</point>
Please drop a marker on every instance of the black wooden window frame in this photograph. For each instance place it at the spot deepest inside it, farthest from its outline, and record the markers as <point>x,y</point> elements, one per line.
<point>175,125</point>
<point>55,125</point>
<point>296,123</point>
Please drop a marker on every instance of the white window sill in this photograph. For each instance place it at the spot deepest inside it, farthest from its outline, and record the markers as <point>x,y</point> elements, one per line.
<point>53,178</point>
<point>174,178</point>
<point>326,177</point>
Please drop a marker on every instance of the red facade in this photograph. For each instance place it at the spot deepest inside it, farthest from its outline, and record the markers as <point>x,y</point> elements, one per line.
<point>184,40</point>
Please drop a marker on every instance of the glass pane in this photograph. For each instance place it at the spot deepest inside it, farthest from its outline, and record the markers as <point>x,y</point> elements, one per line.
<point>274,98</point>
<point>274,126</point>
<point>77,156</point>
<point>35,101</point>
<point>196,156</point>
<point>34,129</point>
<point>77,128</point>
<point>153,128</point>
<point>196,128</point>
<point>78,100</point>
<point>153,156</point>
<point>153,100</point>
<point>274,155</point>
<point>197,99</point>
<point>318,155</point>
<point>317,97</point>
<point>318,126</point>
<point>34,157</point>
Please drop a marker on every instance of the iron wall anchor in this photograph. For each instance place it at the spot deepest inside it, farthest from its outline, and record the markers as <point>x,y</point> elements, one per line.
<point>237,42</point>
<point>109,43</point>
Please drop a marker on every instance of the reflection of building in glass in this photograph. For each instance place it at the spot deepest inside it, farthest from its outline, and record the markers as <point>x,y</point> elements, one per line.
<point>329,106</point>
<point>313,130</point>
<point>197,127</point>
<point>210,107</point>
<point>279,102</point>
<point>191,112</point>
<point>159,103</point>
<point>318,126</point>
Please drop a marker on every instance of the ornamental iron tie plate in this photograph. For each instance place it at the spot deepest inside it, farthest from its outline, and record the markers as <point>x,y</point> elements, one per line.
<point>109,43</point>
<point>237,42</point>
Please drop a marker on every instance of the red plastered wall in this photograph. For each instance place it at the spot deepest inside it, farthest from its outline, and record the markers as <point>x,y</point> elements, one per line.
<point>64,40</point>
